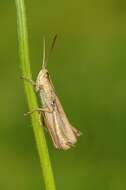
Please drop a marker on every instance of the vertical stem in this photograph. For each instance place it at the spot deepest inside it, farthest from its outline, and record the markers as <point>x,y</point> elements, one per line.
<point>31,97</point>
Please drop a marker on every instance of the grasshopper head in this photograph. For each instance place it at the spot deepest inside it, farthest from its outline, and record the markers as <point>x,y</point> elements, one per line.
<point>43,76</point>
<point>41,79</point>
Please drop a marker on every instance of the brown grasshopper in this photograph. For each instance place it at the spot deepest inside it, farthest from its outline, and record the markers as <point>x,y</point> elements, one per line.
<point>63,134</point>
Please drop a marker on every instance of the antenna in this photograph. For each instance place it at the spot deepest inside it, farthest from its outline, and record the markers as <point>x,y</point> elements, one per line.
<point>50,51</point>
<point>43,61</point>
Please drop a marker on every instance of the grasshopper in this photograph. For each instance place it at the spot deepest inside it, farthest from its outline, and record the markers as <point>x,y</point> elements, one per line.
<point>63,134</point>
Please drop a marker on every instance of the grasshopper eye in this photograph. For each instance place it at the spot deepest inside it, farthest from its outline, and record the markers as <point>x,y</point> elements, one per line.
<point>53,103</point>
<point>47,75</point>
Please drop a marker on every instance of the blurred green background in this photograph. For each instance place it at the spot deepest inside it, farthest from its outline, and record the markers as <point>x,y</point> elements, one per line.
<point>88,67</point>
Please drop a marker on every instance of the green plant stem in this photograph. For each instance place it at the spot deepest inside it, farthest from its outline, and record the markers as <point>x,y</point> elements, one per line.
<point>31,97</point>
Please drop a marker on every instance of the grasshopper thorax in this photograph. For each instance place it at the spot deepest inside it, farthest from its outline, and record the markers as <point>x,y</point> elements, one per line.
<point>42,78</point>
